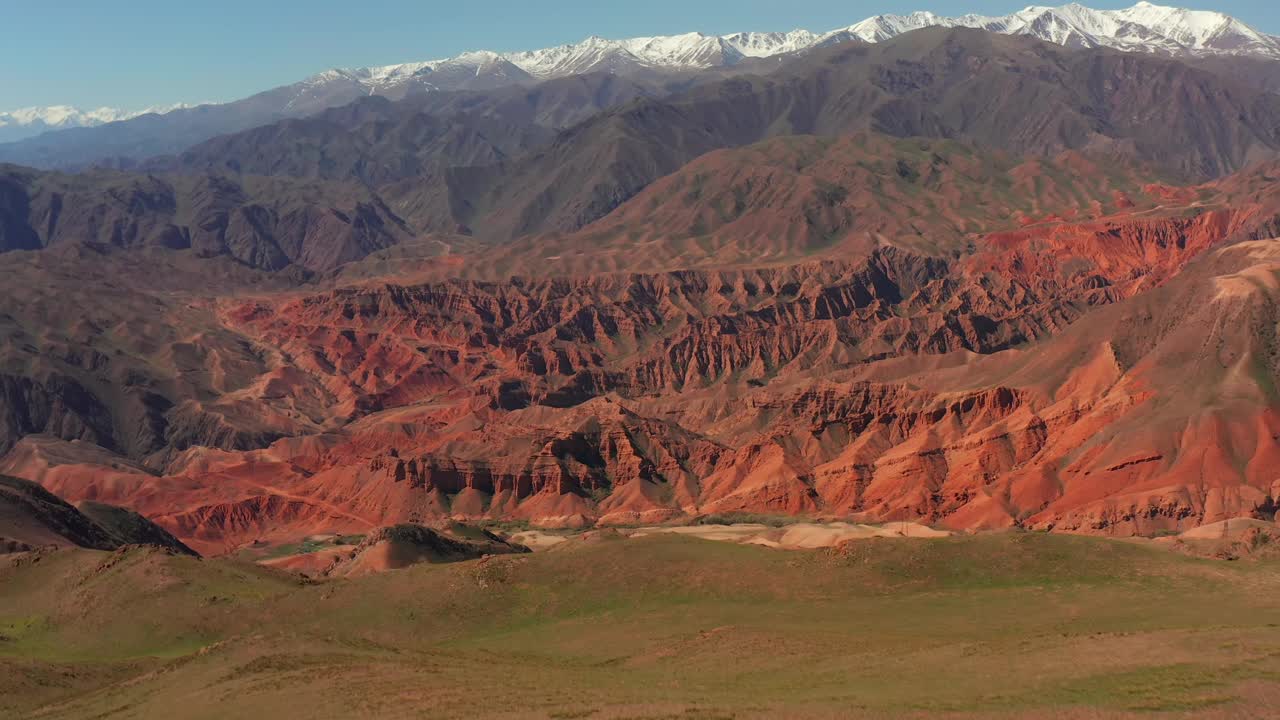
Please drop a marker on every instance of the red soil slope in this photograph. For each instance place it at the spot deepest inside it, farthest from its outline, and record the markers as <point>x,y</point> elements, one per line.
<point>1101,364</point>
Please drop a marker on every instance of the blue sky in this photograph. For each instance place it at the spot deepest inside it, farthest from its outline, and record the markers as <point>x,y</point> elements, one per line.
<point>136,53</point>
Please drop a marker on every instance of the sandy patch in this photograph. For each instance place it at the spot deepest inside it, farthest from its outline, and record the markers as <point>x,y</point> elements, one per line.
<point>537,540</point>
<point>731,533</point>
<point>799,536</point>
<point>1227,529</point>
<point>312,564</point>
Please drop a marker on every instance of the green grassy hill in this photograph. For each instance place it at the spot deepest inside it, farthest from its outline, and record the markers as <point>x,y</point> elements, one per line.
<point>1015,625</point>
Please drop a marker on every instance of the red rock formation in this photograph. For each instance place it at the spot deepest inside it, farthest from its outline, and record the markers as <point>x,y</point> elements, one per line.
<point>1111,373</point>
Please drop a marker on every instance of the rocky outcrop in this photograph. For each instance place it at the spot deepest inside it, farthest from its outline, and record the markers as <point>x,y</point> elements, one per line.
<point>399,546</point>
<point>58,406</point>
<point>264,224</point>
<point>935,82</point>
<point>31,517</point>
<point>126,527</point>
<point>561,342</point>
<point>1105,363</point>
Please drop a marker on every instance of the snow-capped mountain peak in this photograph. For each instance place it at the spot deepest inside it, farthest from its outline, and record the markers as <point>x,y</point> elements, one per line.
<point>31,121</point>
<point>768,44</point>
<point>61,116</point>
<point>883,27</point>
<point>1144,27</point>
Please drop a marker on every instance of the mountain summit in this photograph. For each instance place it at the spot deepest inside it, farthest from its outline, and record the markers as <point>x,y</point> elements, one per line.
<point>27,122</point>
<point>1168,31</point>
<point>1142,28</point>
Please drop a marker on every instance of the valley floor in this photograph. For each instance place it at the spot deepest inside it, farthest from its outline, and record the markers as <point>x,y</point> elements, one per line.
<point>662,626</point>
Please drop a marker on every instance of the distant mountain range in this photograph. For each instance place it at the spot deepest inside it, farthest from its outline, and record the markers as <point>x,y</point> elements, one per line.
<point>1143,27</point>
<point>28,122</point>
<point>495,166</point>
<point>117,135</point>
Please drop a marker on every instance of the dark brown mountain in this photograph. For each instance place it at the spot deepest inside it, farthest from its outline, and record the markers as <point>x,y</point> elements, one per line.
<point>112,348</point>
<point>789,199</point>
<point>274,223</point>
<point>262,222</point>
<point>484,170</point>
<point>1010,93</point>
<point>1260,72</point>
<point>32,517</point>
<point>127,143</point>
<point>130,141</point>
<point>125,527</point>
<point>377,141</point>
<point>490,165</point>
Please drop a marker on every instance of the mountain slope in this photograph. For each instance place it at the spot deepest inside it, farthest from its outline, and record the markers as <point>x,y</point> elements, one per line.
<point>1141,28</point>
<point>263,223</point>
<point>1145,27</point>
<point>28,122</point>
<point>1014,94</point>
<point>968,363</point>
<point>376,141</point>
<point>793,198</point>
<point>32,517</point>
<point>150,135</point>
<point>493,165</point>
<point>978,391</point>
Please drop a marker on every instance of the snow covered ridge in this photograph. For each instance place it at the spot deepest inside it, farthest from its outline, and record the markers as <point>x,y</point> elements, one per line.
<point>25,123</point>
<point>691,51</point>
<point>66,116</point>
<point>60,116</point>
<point>1143,27</point>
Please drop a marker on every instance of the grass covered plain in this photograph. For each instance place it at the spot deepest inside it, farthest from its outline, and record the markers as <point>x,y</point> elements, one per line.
<point>1006,625</point>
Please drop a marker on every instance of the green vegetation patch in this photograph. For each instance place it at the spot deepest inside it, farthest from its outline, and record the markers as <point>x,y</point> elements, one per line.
<point>1017,624</point>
